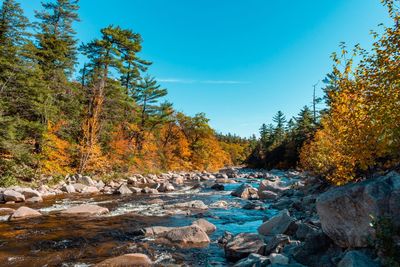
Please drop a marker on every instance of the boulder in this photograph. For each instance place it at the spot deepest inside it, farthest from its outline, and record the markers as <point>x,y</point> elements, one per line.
<point>356,258</point>
<point>242,245</point>
<point>136,190</point>
<point>100,185</point>
<point>85,209</point>
<point>79,187</point>
<point>267,185</point>
<point>23,213</point>
<point>34,200</point>
<point>127,260</point>
<point>279,224</point>
<point>148,190</point>
<point>178,180</point>
<point>155,230</point>
<point>254,206</point>
<point>194,204</point>
<point>219,204</point>
<point>253,260</point>
<point>68,188</point>
<point>11,195</point>
<point>90,190</point>
<point>187,236</point>
<point>6,211</point>
<point>266,194</point>
<point>29,192</point>
<point>166,187</point>
<point>123,190</point>
<point>276,244</point>
<point>218,187</point>
<point>245,191</point>
<point>86,180</point>
<point>278,259</point>
<point>304,230</point>
<point>207,227</point>
<point>345,212</point>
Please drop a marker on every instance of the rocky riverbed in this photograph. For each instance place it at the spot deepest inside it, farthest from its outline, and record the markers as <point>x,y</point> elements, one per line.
<point>236,217</point>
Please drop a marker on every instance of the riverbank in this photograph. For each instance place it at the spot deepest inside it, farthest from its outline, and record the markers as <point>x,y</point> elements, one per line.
<point>234,217</point>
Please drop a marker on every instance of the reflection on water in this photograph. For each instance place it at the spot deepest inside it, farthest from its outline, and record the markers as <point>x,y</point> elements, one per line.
<point>53,240</point>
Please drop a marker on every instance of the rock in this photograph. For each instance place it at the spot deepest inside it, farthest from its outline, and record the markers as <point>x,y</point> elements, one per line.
<point>207,227</point>
<point>219,204</point>
<point>68,188</point>
<point>195,204</point>
<point>79,187</point>
<point>278,259</point>
<point>34,200</point>
<point>127,260</point>
<point>85,209</point>
<point>100,185</point>
<point>136,190</point>
<point>223,240</point>
<point>11,195</point>
<point>86,180</point>
<point>123,190</point>
<point>279,224</point>
<point>29,192</point>
<point>23,213</point>
<point>266,194</point>
<point>90,190</point>
<point>155,201</point>
<point>242,245</point>
<point>304,230</point>
<point>253,260</point>
<point>148,190</point>
<point>178,180</point>
<point>267,185</point>
<point>132,180</point>
<point>346,211</point>
<point>6,211</point>
<point>254,206</point>
<point>356,258</point>
<point>245,191</point>
<point>166,187</point>
<point>218,187</point>
<point>155,230</point>
<point>276,244</point>
<point>187,236</point>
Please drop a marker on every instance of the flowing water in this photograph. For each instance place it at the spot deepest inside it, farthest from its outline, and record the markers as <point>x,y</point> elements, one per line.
<point>54,240</point>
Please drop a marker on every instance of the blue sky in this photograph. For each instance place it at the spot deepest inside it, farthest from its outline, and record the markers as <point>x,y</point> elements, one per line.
<point>238,61</point>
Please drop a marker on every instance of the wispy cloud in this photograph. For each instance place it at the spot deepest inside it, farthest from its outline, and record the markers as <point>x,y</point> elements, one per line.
<point>174,80</point>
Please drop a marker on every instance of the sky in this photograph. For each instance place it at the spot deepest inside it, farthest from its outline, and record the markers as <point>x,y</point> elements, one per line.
<point>238,61</point>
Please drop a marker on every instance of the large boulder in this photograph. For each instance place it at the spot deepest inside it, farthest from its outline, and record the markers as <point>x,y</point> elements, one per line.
<point>29,192</point>
<point>267,185</point>
<point>69,188</point>
<point>123,190</point>
<point>165,187</point>
<point>207,227</point>
<point>11,195</point>
<point>86,180</point>
<point>187,236</point>
<point>23,213</point>
<point>245,191</point>
<point>346,212</point>
<point>85,209</point>
<point>356,258</point>
<point>242,245</point>
<point>281,223</point>
<point>127,260</point>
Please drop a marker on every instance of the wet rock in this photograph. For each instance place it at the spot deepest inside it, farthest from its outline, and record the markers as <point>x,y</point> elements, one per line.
<point>304,230</point>
<point>123,190</point>
<point>195,204</point>
<point>207,227</point>
<point>276,244</point>
<point>245,191</point>
<point>68,188</point>
<point>148,190</point>
<point>219,204</point>
<point>278,259</point>
<point>254,206</point>
<point>223,240</point>
<point>218,187</point>
<point>166,187</point>
<point>242,245</point>
<point>225,181</point>
<point>155,201</point>
<point>222,176</point>
<point>266,194</point>
<point>356,258</point>
<point>282,203</point>
<point>34,200</point>
<point>346,211</point>
<point>279,224</point>
<point>267,185</point>
<point>187,236</point>
<point>11,195</point>
<point>23,213</point>
<point>253,260</point>
<point>86,180</point>
<point>85,209</point>
<point>6,211</point>
<point>127,260</point>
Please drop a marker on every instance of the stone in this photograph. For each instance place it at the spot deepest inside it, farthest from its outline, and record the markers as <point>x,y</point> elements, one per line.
<point>219,204</point>
<point>253,260</point>
<point>85,209</point>
<point>86,180</point>
<point>245,191</point>
<point>253,206</point>
<point>276,244</point>
<point>123,190</point>
<point>187,236</point>
<point>345,212</point>
<point>148,190</point>
<point>34,200</point>
<point>218,187</point>
<point>304,230</point>
<point>29,192</point>
<point>356,258</point>
<point>155,230</point>
<point>278,259</point>
<point>79,187</point>
<point>223,240</point>
<point>6,211</point>
<point>90,190</point>
<point>100,185</point>
<point>11,195</point>
<point>194,204</point>
<point>127,260</point>
<point>136,190</point>
<point>266,194</point>
<point>68,188</point>
<point>178,180</point>
<point>166,187</point>
<point>279,224</point>
<point>24,213</point>
<point>267,185</point>
<point>207,227</point>
<point>242,245</point>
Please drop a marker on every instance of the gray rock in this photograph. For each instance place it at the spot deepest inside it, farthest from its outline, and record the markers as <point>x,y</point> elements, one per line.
<point>166,187</point>
<point>148,190</point>
<point>79,187</point>
<point>242,245</point>
<point>278,259</point>
<point>123,190</point>
<point>279,224</point>
<point>266,194</point>
<point>304,230</point>
<point>276,244</point>
<point>218,187</point>
<point>245,191</point>
<point>346,211</point>
<point>68,188</point>
<point>11,195</point>
<point>253,260</point>
<point>86,180</point>
<point>29,192</point>
<point>356,258</point>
